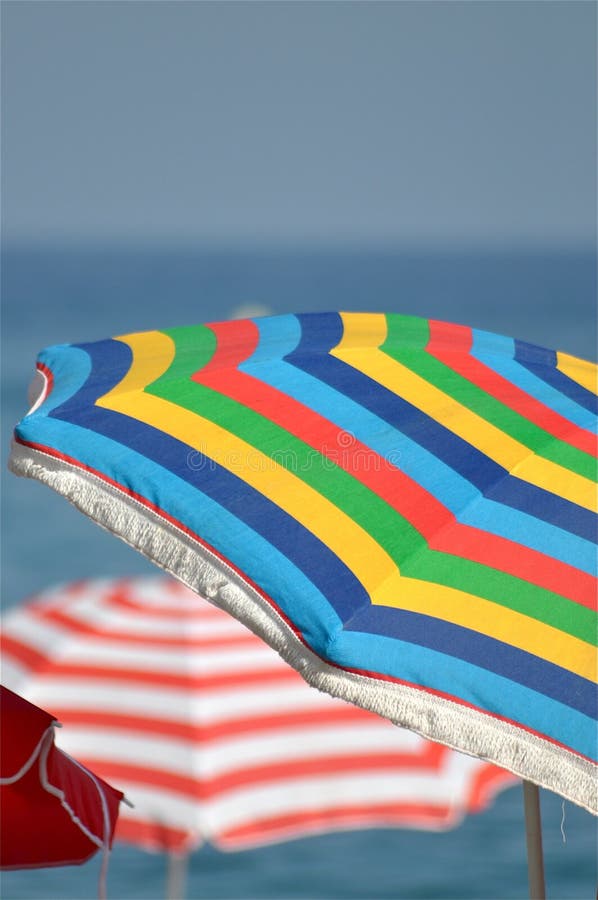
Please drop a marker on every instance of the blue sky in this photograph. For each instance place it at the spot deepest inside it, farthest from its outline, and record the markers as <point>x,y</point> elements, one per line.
<point>362,121</point>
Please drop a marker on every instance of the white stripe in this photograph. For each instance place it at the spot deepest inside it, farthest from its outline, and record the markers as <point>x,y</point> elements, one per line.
<point>243,806</point>
<point>160,806</point>
<point>38,634</point>
<point>172,704</point>
<point>304,794</point>
<point>101,616</point>
<point>224,756</point>
<point>113,654</point>
<point>14,674</point>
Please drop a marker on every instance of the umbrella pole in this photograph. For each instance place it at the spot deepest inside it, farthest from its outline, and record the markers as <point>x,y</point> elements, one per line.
<point>533,835</point>
<point>176,876</point>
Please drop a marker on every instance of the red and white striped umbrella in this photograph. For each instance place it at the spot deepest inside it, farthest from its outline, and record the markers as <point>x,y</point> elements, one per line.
<point>210,734</point>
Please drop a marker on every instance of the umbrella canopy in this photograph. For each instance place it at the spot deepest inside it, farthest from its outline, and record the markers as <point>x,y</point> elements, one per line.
<point>211,734</point>
<point>55,812</point>
<point>405,509</point>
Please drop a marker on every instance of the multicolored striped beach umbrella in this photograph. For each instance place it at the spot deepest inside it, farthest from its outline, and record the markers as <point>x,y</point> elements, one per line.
<point>212,735</point>
<point>404,508</point>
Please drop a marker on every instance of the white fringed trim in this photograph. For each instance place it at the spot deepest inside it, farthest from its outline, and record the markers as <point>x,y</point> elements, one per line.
<point>438,719</point>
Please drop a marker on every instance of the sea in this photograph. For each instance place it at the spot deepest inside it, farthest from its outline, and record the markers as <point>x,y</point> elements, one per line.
<point>71,291</point>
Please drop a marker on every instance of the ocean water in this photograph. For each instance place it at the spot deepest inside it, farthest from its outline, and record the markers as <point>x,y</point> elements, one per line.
<point>61,294</point>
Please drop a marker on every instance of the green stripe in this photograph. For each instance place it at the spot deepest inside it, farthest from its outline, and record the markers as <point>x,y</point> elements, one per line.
<point>403,543</point>
<point>406,342</point>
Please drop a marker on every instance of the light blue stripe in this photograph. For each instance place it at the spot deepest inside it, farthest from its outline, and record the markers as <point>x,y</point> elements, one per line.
<point>279,336</point>
<point>475,685</point>
<point>298,598</point>
<point>282,334</point>
<point>498,353</point>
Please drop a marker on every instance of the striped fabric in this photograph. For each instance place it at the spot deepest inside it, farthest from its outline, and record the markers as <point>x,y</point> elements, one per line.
<point>211,735</point>
<point>405,509</point>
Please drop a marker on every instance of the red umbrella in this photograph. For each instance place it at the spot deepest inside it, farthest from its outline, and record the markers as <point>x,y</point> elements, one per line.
<point>55,812</point>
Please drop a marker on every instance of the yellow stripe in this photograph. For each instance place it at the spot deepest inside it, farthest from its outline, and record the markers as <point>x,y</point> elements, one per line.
<point>515,457</point>
<point>584,373</point>
<point>153,353</point>
<point>499,622</point>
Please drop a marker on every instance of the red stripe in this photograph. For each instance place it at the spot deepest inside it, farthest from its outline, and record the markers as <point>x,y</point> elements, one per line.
<point>68,623</point>
<point>49,379</point>
<point>56,669</point>
<point>26,656</point>
<point>158,836</point>
<point>237,340</point>
<point>487,782</point>
<point>374,815</point>
<point>205,789</point>
<point>124,598</point>
<point>451,344</point>
<point>154,835</point>
<point>204,733</point>
<point>49,451</point>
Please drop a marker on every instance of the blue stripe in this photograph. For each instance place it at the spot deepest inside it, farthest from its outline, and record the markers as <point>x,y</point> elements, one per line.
<point>483,689</point>
<point>543,364</point>
<point>282,334</point>
<point>479,650</point>
<point>498,354</point>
